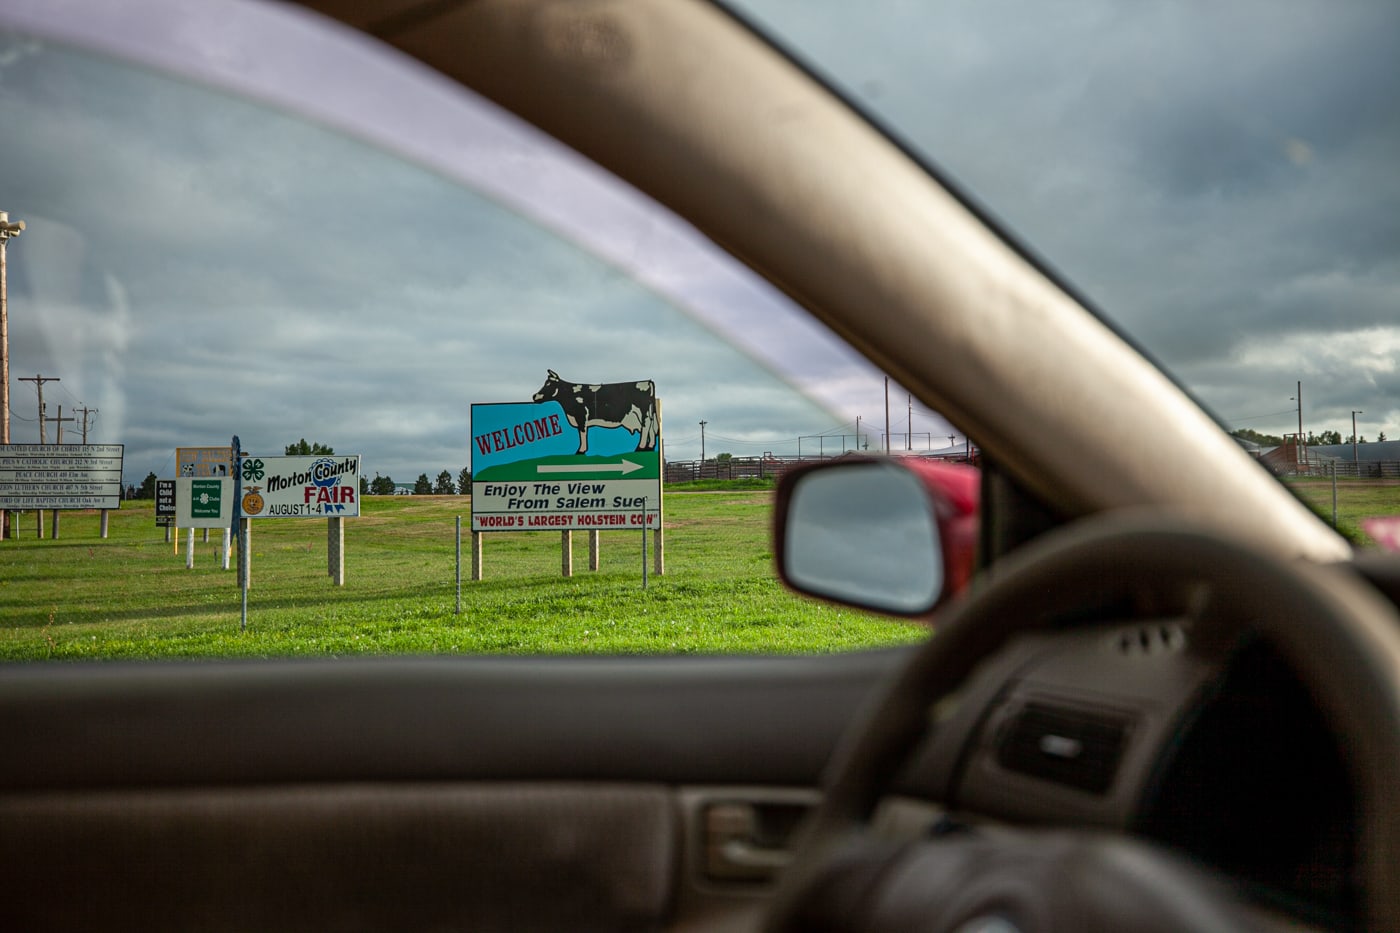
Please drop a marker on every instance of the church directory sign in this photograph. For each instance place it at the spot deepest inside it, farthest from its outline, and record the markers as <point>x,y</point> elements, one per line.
<point>300,487</point>
<point>60,476</point>
<point>578,456</point>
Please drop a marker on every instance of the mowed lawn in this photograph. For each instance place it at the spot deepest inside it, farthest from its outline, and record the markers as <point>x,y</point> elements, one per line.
<point>1357,500</point>
<point>131,596</point>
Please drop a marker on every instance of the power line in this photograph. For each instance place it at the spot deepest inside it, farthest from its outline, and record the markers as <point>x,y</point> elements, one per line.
<point>1272,414</point>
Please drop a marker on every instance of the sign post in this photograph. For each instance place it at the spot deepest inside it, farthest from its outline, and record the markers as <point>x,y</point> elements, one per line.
<point>204,504</point>
<point>576,458</point>
<point>165,505</point>
<point>60,476</point>
<point>323,486</point>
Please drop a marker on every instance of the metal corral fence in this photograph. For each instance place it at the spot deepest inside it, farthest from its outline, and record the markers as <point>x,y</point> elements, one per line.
<point>689,471</point>
<point>1348,469</point>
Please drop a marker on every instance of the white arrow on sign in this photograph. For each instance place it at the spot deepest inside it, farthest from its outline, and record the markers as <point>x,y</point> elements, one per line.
<point>625,467</point>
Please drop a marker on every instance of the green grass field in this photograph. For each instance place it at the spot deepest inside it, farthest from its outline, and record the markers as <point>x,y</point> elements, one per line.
<point>130,596</point>
<point>1356,500</point>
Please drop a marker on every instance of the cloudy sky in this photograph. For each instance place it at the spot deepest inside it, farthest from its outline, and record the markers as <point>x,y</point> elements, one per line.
<point>1221,179</point>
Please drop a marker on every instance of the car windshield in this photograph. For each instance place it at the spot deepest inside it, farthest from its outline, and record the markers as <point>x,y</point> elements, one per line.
<point>215,253</point>
<point>1218,180</point>
<point>348,298</point>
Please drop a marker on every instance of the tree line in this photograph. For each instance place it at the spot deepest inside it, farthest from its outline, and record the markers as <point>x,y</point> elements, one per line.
<point>1321,439</point>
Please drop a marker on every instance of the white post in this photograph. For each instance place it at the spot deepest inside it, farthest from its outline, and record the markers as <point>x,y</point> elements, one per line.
<point>228,545</point>
<point>189,552</point>
<point>566,555</point>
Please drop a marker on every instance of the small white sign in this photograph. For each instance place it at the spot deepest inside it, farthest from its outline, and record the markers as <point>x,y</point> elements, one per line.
<point>203,503</point>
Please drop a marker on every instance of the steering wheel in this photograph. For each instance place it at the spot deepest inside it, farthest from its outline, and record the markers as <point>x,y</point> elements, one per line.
<point>1340,638</point>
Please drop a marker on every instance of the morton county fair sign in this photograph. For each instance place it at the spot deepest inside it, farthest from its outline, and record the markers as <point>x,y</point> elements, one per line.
<point>301,487</point>
<point>577,457</point>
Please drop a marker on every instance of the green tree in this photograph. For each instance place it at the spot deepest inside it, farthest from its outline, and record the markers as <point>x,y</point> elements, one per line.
<point>148,487</point>
<point>443,486</point>
<point>382,485</point>
<point>1263,440</point>
<point>303,449</point>
<point>422,486</point>
<point>364,485</point>
<point>723,457</point>
<point>464,481</point>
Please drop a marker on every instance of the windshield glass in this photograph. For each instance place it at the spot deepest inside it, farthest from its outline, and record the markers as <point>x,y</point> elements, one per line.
<point>198,267</point>
<point>1219,180</point>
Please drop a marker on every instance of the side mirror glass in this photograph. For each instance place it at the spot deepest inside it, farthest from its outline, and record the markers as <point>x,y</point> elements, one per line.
<point>862,532</point>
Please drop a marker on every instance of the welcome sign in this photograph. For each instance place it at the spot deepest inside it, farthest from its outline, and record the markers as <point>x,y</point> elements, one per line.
<point>579,456</point>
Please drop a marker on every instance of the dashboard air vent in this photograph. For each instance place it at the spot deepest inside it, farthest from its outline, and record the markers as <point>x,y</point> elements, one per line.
<point>1067,746</point>
<point>1144,640</point>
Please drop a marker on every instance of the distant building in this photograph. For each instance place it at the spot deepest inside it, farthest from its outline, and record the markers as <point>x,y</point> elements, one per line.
<point>1370,452</point>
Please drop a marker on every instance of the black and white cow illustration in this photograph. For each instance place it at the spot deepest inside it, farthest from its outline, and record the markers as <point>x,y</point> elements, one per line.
<point>630,405</point>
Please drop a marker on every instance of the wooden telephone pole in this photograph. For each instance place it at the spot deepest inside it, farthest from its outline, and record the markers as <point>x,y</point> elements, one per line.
<point>7,230</point>
<point>39,379</point>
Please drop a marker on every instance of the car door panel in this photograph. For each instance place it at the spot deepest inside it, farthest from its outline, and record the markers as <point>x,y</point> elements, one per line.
<point>512,793</point>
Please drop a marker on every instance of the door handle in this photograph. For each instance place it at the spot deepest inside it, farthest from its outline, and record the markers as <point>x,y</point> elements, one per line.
<point>748,840</point>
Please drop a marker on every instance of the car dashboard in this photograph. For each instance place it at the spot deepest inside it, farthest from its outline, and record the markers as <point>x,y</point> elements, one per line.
<point>1127,727</point>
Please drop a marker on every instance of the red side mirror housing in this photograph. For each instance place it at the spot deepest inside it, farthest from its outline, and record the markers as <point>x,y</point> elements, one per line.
<point>891,534</point>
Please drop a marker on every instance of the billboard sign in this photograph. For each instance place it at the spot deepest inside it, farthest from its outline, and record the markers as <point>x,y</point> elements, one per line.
<point>204,502</point>
<point>203,461</point>
<point>165,503</point>
<point>60,476</point>
<point>326,486</point>
<point>578,456</point>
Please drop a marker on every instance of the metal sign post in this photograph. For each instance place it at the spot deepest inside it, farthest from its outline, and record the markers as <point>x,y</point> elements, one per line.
<point>238,528</point>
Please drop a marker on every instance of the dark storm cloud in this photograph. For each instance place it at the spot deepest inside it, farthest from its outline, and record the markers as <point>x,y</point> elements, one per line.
<point>1220,178</point>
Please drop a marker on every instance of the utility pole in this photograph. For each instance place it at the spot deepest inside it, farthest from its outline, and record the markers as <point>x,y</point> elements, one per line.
<point>857,432</point>
<point>39,381</point>
<point>1354,413</point>
<point>58,439</point>
<point>1300,452</point>
<point>7,230</point>
<point>86,411</point>
<point>702,443</point>
<point>909,434</point>
<point>1299,398</point>
<point>887,414</point>
<point>58,436</point>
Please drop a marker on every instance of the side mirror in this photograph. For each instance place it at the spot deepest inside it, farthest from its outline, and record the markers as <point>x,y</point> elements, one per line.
<point>893,535</point>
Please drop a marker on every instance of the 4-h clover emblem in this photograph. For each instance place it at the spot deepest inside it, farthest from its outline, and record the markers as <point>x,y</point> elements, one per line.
<point>252,469</point>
